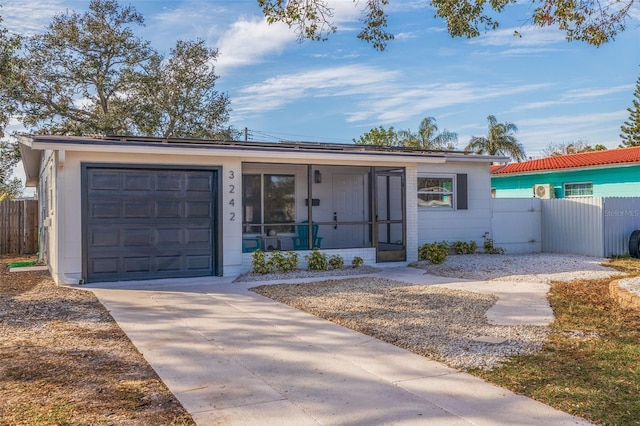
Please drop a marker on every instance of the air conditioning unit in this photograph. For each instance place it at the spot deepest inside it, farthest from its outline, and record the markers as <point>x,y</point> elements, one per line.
<point>544,190</point>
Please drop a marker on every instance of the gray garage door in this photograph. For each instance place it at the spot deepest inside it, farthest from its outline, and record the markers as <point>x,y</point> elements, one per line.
<point>142,223</point>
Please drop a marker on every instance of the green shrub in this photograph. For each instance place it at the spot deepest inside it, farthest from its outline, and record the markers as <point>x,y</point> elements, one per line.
<point>317,261</point>
<point>283,262</point>
<point>489,248</point>
<point>435,252</point>
<point>336,261</point>
<point>460,247</point>
<point>259,263</point>
<point>357,261</point>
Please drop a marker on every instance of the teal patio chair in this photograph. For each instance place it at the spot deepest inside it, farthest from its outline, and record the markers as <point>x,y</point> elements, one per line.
<point>301,241</point>
<point>249,245</point>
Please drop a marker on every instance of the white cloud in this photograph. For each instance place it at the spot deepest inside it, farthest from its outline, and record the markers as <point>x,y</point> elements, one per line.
<point>594,128</point>
<point>576,96</point>
<point>276,92</point>
<point>402,103</point>
<point>370,94</point>
<point>30,17</point>
<point>251,40</point>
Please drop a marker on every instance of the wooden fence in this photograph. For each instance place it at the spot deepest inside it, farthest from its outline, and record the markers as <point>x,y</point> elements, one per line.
<point>19,227</point>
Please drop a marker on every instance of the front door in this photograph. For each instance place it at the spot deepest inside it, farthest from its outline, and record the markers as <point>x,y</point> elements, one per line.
<point>348,210</point>
<point>389,214</point>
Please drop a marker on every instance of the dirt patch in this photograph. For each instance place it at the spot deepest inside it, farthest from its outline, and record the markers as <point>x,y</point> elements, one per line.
<point>64,360</point>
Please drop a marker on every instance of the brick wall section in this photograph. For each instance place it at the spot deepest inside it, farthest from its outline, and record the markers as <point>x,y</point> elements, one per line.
<point>624,297</point>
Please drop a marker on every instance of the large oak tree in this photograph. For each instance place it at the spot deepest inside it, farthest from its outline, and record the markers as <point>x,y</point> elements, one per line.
<point>90,74</point>
<point>593,21</point>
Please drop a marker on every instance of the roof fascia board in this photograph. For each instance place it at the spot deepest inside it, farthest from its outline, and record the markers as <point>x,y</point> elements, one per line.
<point>31,163</point>
<point>566,170</point>
<point>96,145</point>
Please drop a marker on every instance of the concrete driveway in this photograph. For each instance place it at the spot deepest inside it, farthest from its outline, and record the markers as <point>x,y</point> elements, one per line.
<point>233,357</point>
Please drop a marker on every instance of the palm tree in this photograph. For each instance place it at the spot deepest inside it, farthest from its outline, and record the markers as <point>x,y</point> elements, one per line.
<point>428,136</point>
<point>499,141</point>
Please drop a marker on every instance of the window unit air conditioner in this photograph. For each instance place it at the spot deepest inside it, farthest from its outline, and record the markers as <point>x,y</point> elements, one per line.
<point>544,190</point>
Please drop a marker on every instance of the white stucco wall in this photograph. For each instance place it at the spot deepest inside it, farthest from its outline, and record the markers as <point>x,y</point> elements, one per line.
<point>435,224</point>
<point>66,237</point>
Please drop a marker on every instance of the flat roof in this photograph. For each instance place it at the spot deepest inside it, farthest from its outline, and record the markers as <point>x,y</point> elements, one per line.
<point>57,142</point>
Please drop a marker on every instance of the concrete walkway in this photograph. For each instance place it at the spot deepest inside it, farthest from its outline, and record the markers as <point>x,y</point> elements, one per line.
<point>233,357</point>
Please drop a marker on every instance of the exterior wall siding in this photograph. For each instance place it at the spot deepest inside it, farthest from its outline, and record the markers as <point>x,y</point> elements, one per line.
<point>450,225</point>
<point>607,182</point>
<point>65,236</point>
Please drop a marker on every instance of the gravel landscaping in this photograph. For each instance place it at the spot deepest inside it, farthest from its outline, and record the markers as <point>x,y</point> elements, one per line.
<point>444,324</point>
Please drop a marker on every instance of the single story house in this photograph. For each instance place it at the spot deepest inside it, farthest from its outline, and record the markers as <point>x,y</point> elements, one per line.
<point>119,208</point>
<point>609,173</point>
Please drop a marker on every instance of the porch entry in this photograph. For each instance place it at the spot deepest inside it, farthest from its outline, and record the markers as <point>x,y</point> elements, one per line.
<point>304,206</point>
<point>390,205</point>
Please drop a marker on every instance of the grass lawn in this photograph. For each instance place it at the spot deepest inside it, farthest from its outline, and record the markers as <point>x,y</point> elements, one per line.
<point>590,365</point>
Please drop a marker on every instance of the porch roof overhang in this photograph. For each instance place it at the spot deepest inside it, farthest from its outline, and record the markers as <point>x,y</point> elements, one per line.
<point>256,151</point>
<point>30,162</point>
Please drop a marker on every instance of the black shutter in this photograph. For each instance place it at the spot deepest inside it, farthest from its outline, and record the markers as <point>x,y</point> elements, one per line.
<point>461,192</point>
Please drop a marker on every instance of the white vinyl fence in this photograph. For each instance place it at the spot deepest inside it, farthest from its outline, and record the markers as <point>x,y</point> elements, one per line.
<point>589,226</point>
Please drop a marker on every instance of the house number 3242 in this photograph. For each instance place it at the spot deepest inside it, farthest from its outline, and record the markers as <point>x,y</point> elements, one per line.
<point>232,190</point>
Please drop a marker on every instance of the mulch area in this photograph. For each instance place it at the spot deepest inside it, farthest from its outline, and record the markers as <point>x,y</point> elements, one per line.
<point>64,360</point>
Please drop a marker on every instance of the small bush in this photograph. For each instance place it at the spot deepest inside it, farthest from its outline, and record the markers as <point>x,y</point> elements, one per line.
<point>283,262</point>
<point>460,247</point>
<point>357,261</point>
<point>259,263</point>
<point>435,253</point>
<point>336,261</point>
<point>489,248</point>
<point>317,261</point>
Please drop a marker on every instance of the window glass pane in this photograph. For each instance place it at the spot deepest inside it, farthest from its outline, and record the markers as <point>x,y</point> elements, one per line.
<point>435,192</point>
<point>578,189</point>
<point>279,202</point>
<point>252,210</point>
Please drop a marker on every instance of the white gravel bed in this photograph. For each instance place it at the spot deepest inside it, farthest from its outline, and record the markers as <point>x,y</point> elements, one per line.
<point>445,324</point>
<point>302,273</point>
<point>534,267</point>
<point>630,284</point>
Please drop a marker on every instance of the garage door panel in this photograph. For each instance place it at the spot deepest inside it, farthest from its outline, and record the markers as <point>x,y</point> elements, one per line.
<point>199,184</point>
<point>196,263</point>
<point>104,209</point>
<point>138,209</point>
<point>152,224</point>
<point>104,237</point>
<point>198,235</point>
<point>138,237</point>
<point>104,180</point>
<point>197,209</point>
<point>169,209</point>
<point>167,181</point>
<point>137,264</point>
<point>170,236</point>
<point>138,181</point>
<point>105,265</point>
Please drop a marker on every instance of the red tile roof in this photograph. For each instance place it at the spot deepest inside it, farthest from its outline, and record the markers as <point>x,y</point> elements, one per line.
<point>572,161</point>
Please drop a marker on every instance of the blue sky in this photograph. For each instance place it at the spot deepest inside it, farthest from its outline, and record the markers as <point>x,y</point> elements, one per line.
<point>335,91</point>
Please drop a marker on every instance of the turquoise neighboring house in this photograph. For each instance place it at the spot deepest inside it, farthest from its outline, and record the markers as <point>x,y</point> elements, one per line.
<point>610,173</point>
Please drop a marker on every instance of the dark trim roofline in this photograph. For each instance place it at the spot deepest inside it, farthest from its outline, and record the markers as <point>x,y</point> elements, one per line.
<point>124,140</point>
